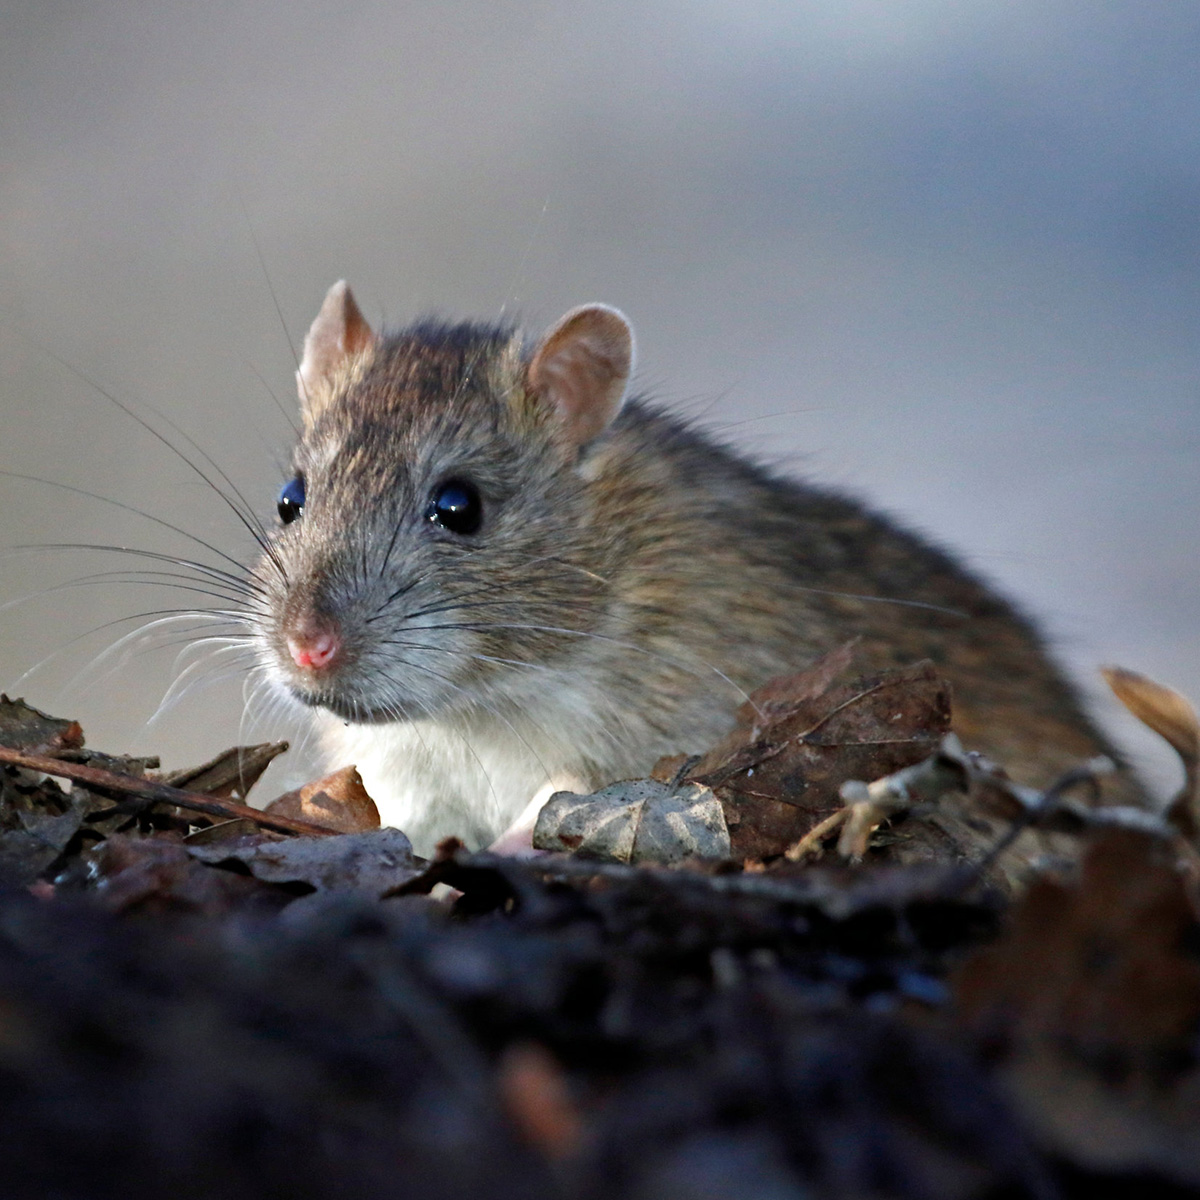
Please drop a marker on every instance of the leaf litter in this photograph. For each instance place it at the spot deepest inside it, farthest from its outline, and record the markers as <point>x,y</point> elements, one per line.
<point>898,974</point>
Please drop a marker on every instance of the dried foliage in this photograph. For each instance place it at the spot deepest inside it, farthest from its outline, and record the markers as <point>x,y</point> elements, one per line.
<point>906,976</point>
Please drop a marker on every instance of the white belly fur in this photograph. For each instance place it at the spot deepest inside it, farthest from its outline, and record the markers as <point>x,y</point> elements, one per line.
<point>473,777</point>
<point>436,779</point>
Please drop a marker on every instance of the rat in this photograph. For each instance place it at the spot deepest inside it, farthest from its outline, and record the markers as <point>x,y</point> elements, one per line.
<point>497,576</point>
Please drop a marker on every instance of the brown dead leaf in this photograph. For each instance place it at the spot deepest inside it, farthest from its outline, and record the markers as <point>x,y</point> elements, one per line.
<point>154,875</point>
<point>25,728</point>
<point>231,774</point>
<point>781,695</point>
<point>1091,1003</point>
<point>1168,713</point>
<point>369,863</point>
<point>1174,719</point>
<point>800,737</point>
<point>339,801</point>
<point>667,769</point>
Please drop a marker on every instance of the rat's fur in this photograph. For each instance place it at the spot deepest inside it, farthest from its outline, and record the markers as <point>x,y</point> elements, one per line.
<point>621,597</point>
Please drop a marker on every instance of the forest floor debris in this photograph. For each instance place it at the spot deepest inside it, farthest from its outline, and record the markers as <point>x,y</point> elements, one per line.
<point>951,987</point>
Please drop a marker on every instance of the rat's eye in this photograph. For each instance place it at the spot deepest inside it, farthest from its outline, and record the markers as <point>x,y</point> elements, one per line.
<point>455,505</point>
<point>291,500</point>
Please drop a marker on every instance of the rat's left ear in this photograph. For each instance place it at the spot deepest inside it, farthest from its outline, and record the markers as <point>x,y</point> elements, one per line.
<point>582,367</point>
<point>337,337</point>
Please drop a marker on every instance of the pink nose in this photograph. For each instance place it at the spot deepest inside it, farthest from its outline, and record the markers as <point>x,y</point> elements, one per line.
<point>316,650</point>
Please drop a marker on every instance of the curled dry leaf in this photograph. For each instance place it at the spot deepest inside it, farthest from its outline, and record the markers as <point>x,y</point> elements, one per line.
<point>1174,719</point>
<point>230,774</point>
<point>635,821</point>
<point>1162,708</point>
<point>36,826</point>
<point>338,801</point>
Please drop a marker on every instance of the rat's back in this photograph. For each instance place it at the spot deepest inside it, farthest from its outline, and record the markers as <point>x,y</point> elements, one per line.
<point>762,574</point>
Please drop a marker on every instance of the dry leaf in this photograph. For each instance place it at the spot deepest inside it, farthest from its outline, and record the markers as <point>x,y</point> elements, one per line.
<point>635,821</point>
<point>371,863</point>
<point>1174,719</point>
<point>157,874</point>
<point>25,728</point>
<point>231,774</point>
<point>339,801</point>
<point>1163,709</point>
<point>800,737</point>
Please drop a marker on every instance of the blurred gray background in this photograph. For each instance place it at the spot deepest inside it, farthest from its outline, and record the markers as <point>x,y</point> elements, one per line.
<point>944,254</point>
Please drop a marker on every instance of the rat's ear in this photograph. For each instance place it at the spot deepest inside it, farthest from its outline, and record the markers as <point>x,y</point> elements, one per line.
<point>582,367</point>
<point>337,337</point>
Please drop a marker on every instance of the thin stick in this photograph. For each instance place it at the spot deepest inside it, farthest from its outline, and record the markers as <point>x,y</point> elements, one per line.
<point>160,793</point>
<point>813,838</point>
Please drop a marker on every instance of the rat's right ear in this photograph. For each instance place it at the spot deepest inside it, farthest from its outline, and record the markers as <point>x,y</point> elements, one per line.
<point>582,367</point>
<point>337,337</point>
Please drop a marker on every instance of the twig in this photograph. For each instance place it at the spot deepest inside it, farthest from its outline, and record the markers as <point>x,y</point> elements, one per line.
<point>1045,806</point>
<point>159,793</point>
<point>816,835</point>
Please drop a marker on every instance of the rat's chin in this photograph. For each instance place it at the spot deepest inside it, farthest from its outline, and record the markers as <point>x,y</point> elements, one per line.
<point>356,712</point>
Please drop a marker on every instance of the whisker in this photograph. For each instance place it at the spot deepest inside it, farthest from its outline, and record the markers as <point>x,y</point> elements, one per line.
<point>165,615</point>
<point>461,736</point>
<point>642,650</point>
<point>262,262</point>
<point>105,578</point>
<point>512,662</point>
<point>179,690</point>
<point>66,487</point>
<point>278,403</point>
<point>246,522</point>
<point>238,583</point>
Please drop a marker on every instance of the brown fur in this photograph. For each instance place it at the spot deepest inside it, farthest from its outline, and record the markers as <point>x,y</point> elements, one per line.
<point>651,578</point>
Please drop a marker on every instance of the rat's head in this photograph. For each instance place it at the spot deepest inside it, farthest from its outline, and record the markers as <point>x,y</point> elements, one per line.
<point>436,544</point>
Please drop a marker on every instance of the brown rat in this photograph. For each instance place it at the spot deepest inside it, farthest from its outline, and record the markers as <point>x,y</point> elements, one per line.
<point>497,576</point>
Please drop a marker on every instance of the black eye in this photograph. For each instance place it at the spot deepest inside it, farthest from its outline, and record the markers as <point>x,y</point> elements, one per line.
<point>456,506</point>
<point>291,500</point>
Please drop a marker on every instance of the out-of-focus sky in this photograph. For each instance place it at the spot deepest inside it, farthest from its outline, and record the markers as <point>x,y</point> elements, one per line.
<point>944,254</point>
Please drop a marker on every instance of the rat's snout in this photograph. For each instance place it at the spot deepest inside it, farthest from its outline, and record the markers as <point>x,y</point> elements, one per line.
<point>315,643</point>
